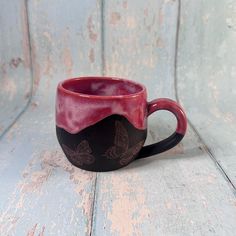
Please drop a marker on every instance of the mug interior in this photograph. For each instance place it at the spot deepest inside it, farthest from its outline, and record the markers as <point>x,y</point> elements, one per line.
<point>102,86</point>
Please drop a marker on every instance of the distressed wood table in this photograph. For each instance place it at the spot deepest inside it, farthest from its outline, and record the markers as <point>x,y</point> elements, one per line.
<point>184,50</point>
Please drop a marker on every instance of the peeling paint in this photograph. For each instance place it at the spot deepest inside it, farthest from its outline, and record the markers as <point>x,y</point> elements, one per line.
<point>91,55</point>
<point>215,90</point>
<point>10,88</point>
<point>47,62</point>
<point>49,160</point>
<point>205,18</point>
<point>115,18</point>
<point>36,66</point>
<point>125,4</point>
<point>12,131</point>
<point>160,43</point>
<point>145,11</point>
<point>149,62</point>
<point>91,30</point>
<point>168,205</point>
<point>34,105</point>
<point>211,178</point>
<point>48,65</point>
<point>12,221</point>
<point>128,210</point>
<point>32,230</point>
<point>42,232</point>
<point>161,17</point>
<point>68,61</point>
<point>38,171</point>
<point>48,37</point>
<point>56,159</point>
<point>131,22</point>
<point>150,21</point>
<point>14,63</point>
<point>3,68</point>
<point>79,177</point>
<point>33,180</point>
<point>229,117</point>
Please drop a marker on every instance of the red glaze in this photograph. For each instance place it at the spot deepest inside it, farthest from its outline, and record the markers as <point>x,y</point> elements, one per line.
<point>172,106</point>
<point>84,101</point>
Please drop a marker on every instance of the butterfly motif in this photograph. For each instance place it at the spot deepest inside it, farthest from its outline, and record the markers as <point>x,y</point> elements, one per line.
<point>121,148</point>
<point>82,155</point>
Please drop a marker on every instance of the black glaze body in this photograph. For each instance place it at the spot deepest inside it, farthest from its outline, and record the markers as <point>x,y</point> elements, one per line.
<point>108,145</point>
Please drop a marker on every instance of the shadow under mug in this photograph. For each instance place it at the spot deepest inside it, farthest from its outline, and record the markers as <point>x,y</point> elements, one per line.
<point>101,122</point>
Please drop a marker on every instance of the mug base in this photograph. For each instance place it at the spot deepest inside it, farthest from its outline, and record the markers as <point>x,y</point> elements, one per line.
<point>108,145</point>
<point>93,169</point>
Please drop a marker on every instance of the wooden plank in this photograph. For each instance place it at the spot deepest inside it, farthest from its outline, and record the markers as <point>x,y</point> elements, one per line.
<point>15,75</point>
<point>65,45</point>
<point>139,45</point>
<point>175,194</point>
<point>140,41</point>
<point>40,189</point>
<point>180,192</point>
<point>206,75</point>
<point>41,192</point>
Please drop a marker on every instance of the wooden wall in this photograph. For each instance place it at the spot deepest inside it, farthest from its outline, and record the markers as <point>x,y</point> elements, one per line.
<point>184,50</point>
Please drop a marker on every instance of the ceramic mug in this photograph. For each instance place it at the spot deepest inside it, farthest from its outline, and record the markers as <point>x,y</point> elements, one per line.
<point>101,122</point>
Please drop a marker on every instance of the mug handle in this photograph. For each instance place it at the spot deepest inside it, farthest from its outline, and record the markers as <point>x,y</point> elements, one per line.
<point>176,137</point>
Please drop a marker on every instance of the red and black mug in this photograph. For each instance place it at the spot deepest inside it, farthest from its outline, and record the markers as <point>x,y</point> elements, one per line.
<point>101,122</point>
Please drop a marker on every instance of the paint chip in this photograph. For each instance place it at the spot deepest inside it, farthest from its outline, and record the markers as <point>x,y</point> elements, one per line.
<point>68,61</point>
<point>125,4</point>
<point>91,29</point>
<point>115,18</point>
<point>14,63</point>
<point>91,55</point>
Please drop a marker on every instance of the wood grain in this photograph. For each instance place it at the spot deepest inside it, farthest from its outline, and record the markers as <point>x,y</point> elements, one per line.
<point>41,192</point>
<point>206,76</point>
<point>15,74</point>
<point>180,192</point>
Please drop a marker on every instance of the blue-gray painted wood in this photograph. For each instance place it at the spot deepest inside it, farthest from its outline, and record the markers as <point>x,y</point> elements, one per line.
<point>180,192</point>
<point>206,75</point>
<point>140,42</point>
<point>139,45</point>
<point>15,77</point>
<point>41,192</point>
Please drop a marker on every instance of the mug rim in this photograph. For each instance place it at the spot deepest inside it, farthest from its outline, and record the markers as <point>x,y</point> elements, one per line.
<point>111,78</point>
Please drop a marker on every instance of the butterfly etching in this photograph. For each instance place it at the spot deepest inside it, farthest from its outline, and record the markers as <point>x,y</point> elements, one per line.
<point>81,155</point>
<point>120,149</point>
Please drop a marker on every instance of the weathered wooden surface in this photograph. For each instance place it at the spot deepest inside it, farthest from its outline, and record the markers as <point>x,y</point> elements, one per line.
<point>180,192</point>
<point>206,75</point>
<point>41,192</point>
<point>15,77</point>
